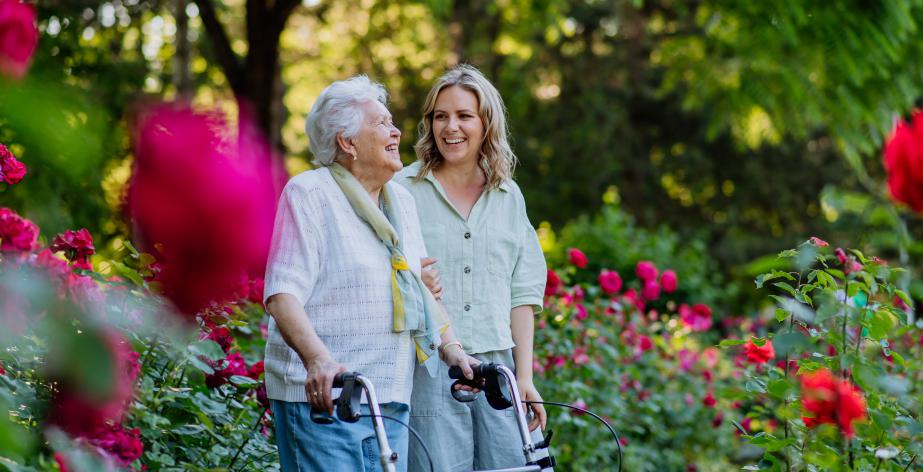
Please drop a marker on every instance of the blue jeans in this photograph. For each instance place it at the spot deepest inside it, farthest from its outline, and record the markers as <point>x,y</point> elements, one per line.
<point>308,446</point>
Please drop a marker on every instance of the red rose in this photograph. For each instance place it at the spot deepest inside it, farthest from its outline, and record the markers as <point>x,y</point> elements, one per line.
<point>668,281</point>
<point>18,37</point>
<point>256,290</point>
<point>256,370</point>
<point>235,365</point>
<point>11,170</point>
<point>122,445</point>
<point>646,270</point>
<point>832,401</point>
<point>222,336</point>
<point>16,232</point>
<point>577,257</point>
<point>206,200</point>
<point>77,247</point>
<point>903,161</point>
<point>552,284</point>
<point>709,400</point>
<point>759,354</point>
<point>696,318</point>
<point>651,290</point>
<point>610,281</point>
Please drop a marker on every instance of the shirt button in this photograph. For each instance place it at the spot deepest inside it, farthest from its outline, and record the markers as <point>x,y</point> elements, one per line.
<point>468,235</point>
<point>467,269</point>
<point>432,346</point>
<point>467,307</point>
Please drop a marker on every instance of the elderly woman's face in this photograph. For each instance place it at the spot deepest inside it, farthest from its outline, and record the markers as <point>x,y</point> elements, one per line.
<point>378,139</point>
<point>457,127</point>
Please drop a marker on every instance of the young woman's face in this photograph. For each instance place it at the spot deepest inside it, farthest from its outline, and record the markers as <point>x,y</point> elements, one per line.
<point>457,127</point>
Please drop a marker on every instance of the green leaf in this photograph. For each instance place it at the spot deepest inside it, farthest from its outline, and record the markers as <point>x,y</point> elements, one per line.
<point>198,363</point>
<point>784,286</point>
<point>880,325</point>
<point>245,382</point>
<point>731,342</point>
<point>825,279</point>
<point>790,343</point>
<point>788,253</point>
<point>207,349</point>
<point>781,315</point>
<point>778,388</point>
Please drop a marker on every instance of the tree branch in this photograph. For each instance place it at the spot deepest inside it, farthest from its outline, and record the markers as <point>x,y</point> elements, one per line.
<point>228,60</point>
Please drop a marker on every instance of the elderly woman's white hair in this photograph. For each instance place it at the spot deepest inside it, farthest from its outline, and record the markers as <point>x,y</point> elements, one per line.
<point>337,110</point>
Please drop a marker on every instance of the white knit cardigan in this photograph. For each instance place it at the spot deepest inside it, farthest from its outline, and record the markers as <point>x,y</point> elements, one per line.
<point>334,264</point>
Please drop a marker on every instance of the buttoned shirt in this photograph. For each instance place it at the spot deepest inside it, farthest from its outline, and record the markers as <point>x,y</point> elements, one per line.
<point>489,264</point>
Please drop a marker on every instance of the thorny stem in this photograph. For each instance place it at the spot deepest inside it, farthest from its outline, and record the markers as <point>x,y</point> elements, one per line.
<point>912,460</point>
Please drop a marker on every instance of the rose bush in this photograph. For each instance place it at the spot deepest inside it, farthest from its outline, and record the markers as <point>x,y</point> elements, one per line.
<point>847,384</point>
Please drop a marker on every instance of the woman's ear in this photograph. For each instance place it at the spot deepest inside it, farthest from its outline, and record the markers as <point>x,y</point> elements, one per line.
<point>346,145</point>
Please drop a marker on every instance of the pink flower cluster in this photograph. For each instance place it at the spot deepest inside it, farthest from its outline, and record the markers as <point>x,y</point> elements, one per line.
<point>11,170</point>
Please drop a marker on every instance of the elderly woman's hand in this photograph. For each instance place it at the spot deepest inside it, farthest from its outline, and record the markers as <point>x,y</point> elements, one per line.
<point>319,387</point>
<point>430,276</point>
<point>455,356</point>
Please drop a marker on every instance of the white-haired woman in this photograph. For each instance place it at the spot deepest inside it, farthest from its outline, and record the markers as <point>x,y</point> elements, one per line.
<point>343,286</point>
<point>491,268</point>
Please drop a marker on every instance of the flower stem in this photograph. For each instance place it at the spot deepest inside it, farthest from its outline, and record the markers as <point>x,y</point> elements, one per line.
<point>256,425</point>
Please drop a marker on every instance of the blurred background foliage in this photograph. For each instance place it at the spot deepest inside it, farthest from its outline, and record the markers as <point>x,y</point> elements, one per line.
<point>736,128</point>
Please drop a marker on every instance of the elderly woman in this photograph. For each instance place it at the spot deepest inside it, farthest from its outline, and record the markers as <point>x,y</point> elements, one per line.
<point>491,267</point>
<point>343,286</point>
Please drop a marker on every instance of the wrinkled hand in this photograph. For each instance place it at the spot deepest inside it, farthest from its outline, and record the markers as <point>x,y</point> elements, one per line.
<point>455,356</point>
<point>431,277</point>
<point>319,387</point>
<point>528,392</point>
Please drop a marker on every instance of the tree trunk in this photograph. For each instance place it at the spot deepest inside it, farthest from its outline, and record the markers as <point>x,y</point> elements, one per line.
<point>182,78</point>
<point>255,79</point>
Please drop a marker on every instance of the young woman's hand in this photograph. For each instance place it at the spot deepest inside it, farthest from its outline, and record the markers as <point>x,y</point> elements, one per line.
<point>529,393</point>
<point>431,278</point>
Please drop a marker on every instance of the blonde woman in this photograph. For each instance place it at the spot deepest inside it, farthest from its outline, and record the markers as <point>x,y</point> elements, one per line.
<point>491,268</point>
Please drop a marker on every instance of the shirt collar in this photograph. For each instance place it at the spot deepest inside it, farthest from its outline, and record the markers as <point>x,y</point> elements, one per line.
<point>414,169</point>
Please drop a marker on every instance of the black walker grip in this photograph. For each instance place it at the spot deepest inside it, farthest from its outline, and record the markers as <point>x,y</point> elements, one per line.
<point>339,381</point>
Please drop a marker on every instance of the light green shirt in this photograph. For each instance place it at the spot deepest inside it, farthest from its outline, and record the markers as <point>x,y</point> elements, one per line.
<point>489,264</point>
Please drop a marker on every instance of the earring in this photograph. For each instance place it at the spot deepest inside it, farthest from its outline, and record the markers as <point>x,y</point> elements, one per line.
<point>355,157</point>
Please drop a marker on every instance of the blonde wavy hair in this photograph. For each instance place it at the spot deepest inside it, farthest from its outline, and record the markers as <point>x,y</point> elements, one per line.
<point>497,160</point>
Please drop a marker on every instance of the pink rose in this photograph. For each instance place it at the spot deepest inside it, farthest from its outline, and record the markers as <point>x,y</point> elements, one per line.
<point>668,281</point>
<point>646,270</point>
<point>77,247</point>
<point>235,365</point>
<point>577,257</point>
<point>18,37</point>
<point>651,290</point>
<point>16,232</point>
<point>580,356</point>
<point>709,400</point>
<point>581,312</point>
<point>11,170</point>
<point>609,281</point>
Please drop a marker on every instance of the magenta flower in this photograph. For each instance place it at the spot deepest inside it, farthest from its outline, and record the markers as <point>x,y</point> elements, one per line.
<point>668,281</point>
<point>610,282</point>
<point>77,247</point>
<point>577,258</point>
<point>18,37</point>
<point>646,270</point>
<point>651,290</point>
<point>697,318</point>
<point>16,232</point>
<point>11,170</point>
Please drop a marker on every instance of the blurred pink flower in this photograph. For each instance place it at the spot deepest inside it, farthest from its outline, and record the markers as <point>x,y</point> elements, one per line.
<point>220,335</point>
<point>234,364</point>
<point>206,202</point>
<point>710,354</point>
<point>687,359</point>
<point>18,37</point>
<point>579,404</point>
<point>646,270</point>
<point>709,400</point>
<point>610,282</point>
<point>580,356</point>
<point>577,257</point>
<point>668,281</point>
<point>696,318</point>
<point>581,312</point>
<point>651,290</point>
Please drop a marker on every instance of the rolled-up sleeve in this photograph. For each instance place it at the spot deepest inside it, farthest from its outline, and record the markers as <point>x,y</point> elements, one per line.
<point>529,273</point>
<point>293,263</point>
